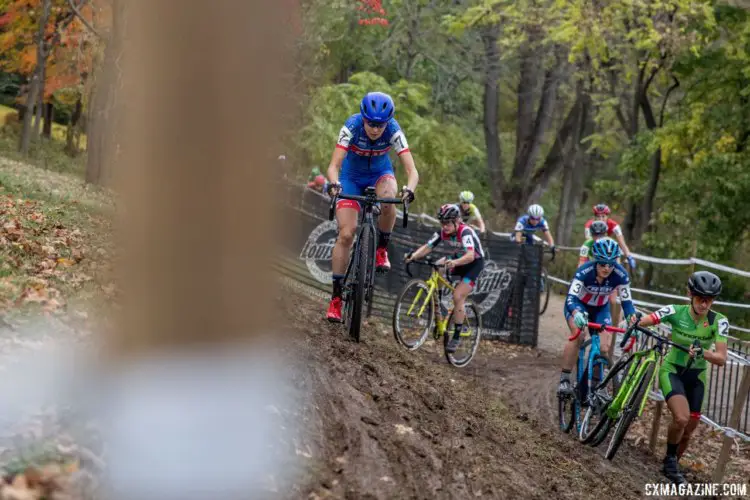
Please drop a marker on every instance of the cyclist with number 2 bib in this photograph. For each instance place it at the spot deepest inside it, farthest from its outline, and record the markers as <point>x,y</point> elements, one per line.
<point>361,157</point>
<point>684,392</point>
<point>467,262</point>
<point>588,299</point>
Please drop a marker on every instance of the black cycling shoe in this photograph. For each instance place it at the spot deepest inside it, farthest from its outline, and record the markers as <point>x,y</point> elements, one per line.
<point>453,344</point>
<point>671,470</point>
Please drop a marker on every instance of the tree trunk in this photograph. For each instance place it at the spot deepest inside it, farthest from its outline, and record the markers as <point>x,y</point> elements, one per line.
<point>49,116</point>
<point>71,145</point>
<point>36,79</point>
<point>39,112</point>
<point>556,157</point>
<point>103,115</point>
<point>576,169</point>
<point>490,36</point>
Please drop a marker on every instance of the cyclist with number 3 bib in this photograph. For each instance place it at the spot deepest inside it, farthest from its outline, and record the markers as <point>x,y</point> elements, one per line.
<point>684,390</point>
<point>588,299</point>
<point>361,155</point>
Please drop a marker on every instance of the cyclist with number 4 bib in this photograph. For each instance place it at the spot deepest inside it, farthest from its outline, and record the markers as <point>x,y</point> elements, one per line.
<point>361,155</point>
<point>467,262</point>
<point>684,392</point>
<point>588,300</point>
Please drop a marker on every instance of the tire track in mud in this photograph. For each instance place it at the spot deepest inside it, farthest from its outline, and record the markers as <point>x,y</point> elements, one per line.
<point>387,423</point>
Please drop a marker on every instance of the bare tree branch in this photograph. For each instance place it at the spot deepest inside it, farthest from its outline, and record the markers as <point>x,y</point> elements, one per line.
<point>78,14</point>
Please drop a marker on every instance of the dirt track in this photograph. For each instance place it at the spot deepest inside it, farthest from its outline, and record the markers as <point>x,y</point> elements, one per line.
<point>394,424</point>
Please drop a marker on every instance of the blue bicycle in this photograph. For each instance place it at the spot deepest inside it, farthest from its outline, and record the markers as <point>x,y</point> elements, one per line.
<point>586,407</point>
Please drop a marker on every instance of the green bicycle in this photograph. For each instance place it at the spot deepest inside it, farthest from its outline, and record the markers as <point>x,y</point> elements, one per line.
<point>630,399</point>
<point>421,307</point>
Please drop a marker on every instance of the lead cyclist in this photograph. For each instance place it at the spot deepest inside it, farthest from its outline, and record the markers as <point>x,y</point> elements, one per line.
<point>361,155</point>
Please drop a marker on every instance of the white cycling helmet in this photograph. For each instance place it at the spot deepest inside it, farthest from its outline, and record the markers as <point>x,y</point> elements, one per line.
<point>536,211</point>
<point>466,196</point>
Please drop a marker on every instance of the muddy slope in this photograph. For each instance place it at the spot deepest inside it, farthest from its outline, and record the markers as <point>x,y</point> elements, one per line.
<point>394,424</point>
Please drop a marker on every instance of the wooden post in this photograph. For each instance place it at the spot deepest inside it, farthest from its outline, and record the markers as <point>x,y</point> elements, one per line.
<point>652,440</point>
<point>734,423</point>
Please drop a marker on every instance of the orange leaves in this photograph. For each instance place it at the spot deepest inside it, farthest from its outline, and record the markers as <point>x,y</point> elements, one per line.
<point>375,8</point>
<point>49,481</point>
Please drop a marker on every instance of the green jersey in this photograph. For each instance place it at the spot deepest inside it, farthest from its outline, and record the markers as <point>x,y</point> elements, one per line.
<point>585,252</point>
<point>713,329</point>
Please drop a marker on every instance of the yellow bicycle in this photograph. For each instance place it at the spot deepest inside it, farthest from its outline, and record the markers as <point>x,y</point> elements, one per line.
<point>424,306</point>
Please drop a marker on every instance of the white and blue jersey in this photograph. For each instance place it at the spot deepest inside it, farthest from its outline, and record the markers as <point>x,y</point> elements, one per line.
<point>586,294</point>
<point>528,229</point>
<point>367,161</point>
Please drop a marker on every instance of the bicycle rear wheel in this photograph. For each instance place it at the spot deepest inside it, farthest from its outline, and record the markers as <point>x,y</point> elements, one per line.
<point>567,407</point>
<point>358,289</point>
<point>544,292</point>
<point>470,336</point>
<point>632,407</point>
<point>410,328</point>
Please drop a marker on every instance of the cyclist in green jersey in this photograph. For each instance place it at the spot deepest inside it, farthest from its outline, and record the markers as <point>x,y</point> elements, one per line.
<point>469,212</point>
<point>684,392</point>
<point>598,231</point>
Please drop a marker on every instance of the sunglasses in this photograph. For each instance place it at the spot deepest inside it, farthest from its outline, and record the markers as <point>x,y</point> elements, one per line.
<point>375,124</point>
<point>606,264</point>
<point>535,219</point>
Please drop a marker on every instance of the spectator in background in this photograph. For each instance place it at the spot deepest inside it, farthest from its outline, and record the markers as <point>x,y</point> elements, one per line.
<point>319,184</point>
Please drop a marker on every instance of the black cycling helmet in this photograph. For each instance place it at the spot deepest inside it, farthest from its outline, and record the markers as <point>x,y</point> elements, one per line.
<point>705,284</point>
<point>598,228</point>
<point>448,212</point>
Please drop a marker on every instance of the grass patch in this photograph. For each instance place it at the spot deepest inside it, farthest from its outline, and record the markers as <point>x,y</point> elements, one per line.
<point>54,240</point>
<point>45,154</point>
<point>59,132</point>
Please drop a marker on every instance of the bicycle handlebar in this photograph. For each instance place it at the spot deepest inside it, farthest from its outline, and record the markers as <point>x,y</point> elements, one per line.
<point>660,339</point>
<point>597,327</point>
<point>370,200</point>
<point>427,261</point>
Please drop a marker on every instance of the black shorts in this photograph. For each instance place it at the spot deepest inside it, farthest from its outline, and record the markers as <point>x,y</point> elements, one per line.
<point>691,384</point>
<point>469,272</point>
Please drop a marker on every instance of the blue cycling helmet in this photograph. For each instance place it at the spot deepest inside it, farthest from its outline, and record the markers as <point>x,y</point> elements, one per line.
<point>377,107</point>
<point>605,250</point>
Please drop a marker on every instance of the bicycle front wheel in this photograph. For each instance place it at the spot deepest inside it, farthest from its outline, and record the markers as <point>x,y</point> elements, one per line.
<point>413,315</point>
<point>471,335</point>
<point>358,290</point>
<point>544,292</point>
<point>595,419</point>
<point>632,407</point>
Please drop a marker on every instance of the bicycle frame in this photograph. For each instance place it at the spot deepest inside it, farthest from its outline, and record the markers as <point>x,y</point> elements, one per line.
<point>587,364</point>
<point>368,204</point>
<point>638,364</point>
<point>436,282</point>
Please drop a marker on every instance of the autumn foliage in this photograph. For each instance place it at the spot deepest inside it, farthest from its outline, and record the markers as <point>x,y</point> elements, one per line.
<point>373,8</point>
<point>71,55</point>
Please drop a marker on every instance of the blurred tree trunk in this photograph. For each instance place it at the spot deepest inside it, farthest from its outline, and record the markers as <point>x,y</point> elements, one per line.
<point>104,113</point>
